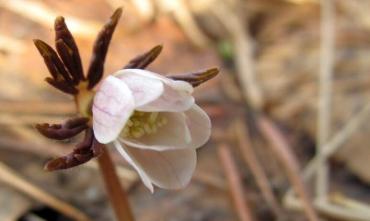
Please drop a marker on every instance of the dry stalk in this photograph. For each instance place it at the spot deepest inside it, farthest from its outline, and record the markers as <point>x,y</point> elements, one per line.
<point>11,45</point>
<point>235,183</point>
<point>183,16</point>
<point>11,178</point>
<point>337,212</point>
<point>207,179</point>
<point>327,150</point>
<point>28,119</point>
<point>330,148</point>
<point>40,13</point>
<point>282,150</point>
<point>256,168</point>
<point>336,142</point>
<point>118,196</point>
<point>356,206</point>
<point>325,93</point>
<point>341,213</point>
<point>145,8</point>
<point>128,176</point>
<point>243,49</point>
<point>37,107</point>
<point>42,147</point>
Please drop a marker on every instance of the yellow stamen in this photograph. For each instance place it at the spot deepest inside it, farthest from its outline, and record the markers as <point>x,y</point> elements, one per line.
<point>143,123</point>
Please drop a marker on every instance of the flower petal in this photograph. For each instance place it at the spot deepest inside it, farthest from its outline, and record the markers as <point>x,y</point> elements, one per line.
<point>146,180</point>
<point>176,96</point>
<point>171,169</point>
<point>172,100</point>
<point>190,129</point>
<point>112,107</point>
<point>144,89</point>
<point>199,126</point>
<point>173,135</point>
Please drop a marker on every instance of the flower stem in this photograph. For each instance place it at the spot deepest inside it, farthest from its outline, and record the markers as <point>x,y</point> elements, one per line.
<point>117,195</point>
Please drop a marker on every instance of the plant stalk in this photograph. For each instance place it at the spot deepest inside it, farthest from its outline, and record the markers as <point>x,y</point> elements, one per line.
<point>117,195</point>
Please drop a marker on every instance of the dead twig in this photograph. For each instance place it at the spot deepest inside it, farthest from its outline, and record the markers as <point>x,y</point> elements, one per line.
<point>28,119</point>
<point>182,15</point>
<point>127,176</point>
<point>330,148</point>
<point>256,168</point>
<point>10,177</point>
<point>325,93</point>
<point>37,107</point>
<point>37,144</point>
<point>11,45</point>
<point>207,179</point>
<point>38,12</point>
<point>243,50</point>
<point>235,183</point>
<point>336,142</point>
<point>145,8</point>
<point>326,208</point>
<point>341,212</point>
<point>282,150</point>
<point>356,206</point>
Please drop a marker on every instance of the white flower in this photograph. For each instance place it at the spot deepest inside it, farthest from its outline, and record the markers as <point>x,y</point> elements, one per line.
<point>154,123</point>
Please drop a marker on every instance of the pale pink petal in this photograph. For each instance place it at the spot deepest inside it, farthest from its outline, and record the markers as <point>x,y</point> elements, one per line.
<point>171,169</point>
<point>190,129</point>
<point>176,96</point>
<point>144,89</point>
<point>173,135</point>
<point>113,105</point>
<point>179,85</point>
<point>132,161</point>
<point>171,100</point>
<point>199,126</point>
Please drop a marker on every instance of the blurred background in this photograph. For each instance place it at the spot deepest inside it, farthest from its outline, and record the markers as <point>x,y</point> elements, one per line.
<point>293,86</point>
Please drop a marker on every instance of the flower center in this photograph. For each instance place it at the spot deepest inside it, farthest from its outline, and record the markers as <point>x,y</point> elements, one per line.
<point>142,123</point>
<point>84,100</point>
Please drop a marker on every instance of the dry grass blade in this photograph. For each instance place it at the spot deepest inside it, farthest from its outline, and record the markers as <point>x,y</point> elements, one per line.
<point>256,168</point>
<point>342,213</point>
<point>184,17</point>
<point>356,206</point>
<point>96,68</point>
<point>242,46</point>
<point>28,119</point>
<point>282,150</point>
<point>37,107</point>
<point>336,142</point>
<point>325,93</point>
<point>334,211</point>
<point>10,177</point>
<point>235,183</point>
<point>42,147</point>
<point>142,61</point>
<point>48,149</point>
<point>40,13</point>
<point>11,45</point>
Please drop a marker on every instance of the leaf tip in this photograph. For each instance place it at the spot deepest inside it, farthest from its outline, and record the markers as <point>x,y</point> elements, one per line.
<point>117,14</point>
<point>59,20</point>
<point>54,164</point>
<point>213,71</point>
